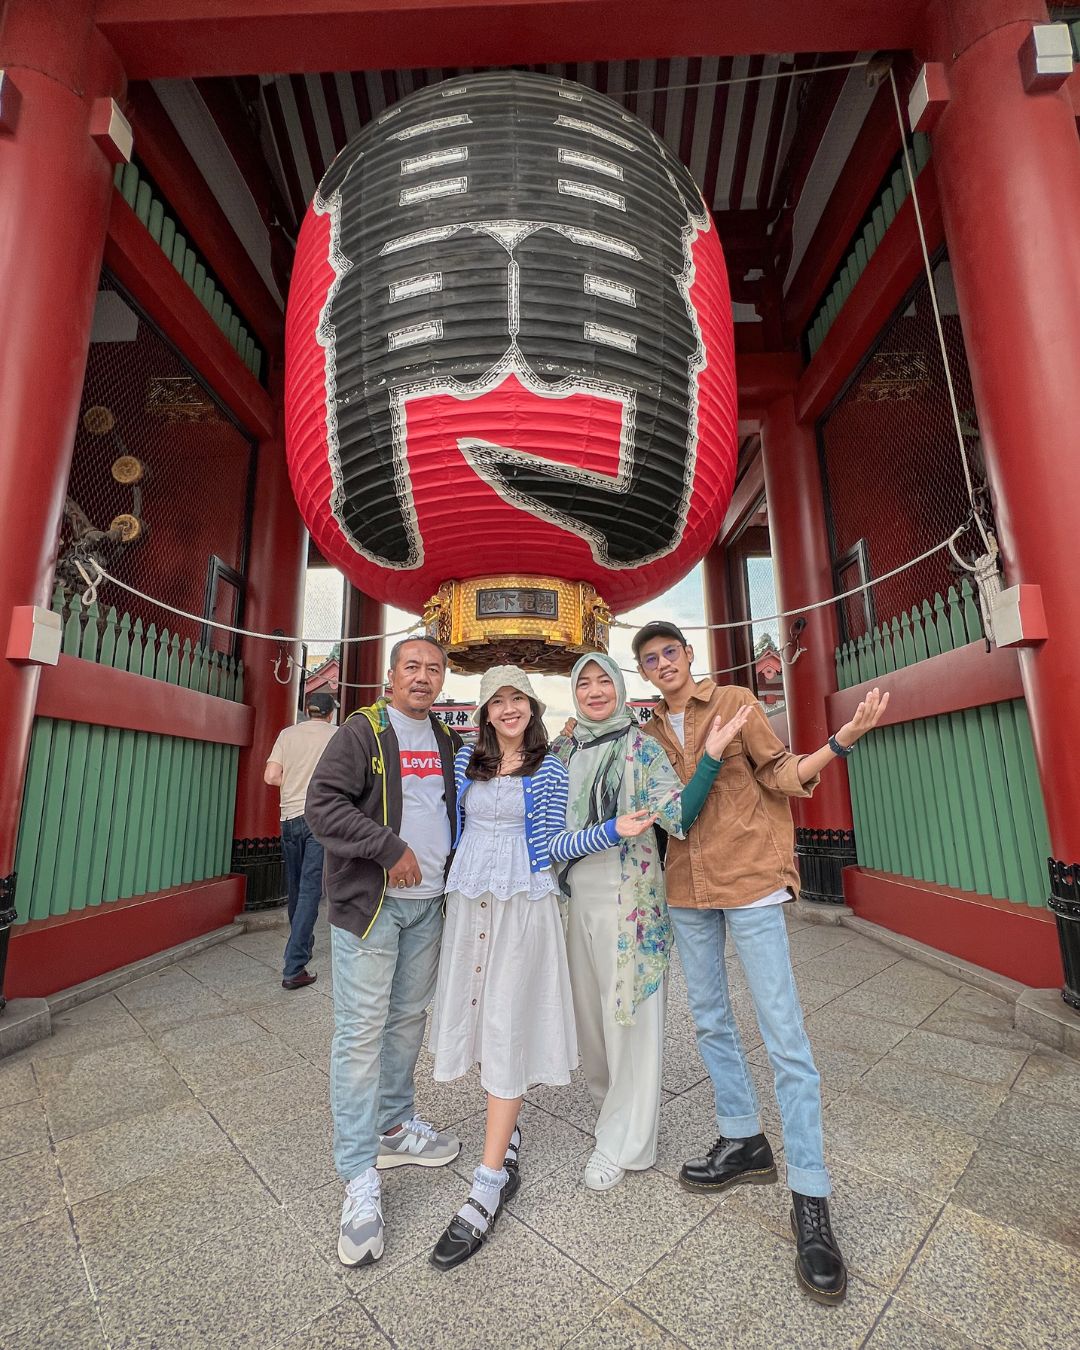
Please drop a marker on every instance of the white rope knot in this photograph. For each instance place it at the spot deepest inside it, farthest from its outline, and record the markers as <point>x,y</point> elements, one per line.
<point>89,595</point>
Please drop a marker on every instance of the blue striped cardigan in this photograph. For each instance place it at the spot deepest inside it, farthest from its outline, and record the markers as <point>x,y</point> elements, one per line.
<point>546,836</point>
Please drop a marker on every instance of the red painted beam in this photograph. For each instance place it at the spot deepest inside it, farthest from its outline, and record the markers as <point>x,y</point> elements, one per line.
<point>892,271</point>
<point>48,955</point>
<point>141,267</point>
<point>188,194</point>
<point>185,38</point>
<point>762,377</point>
<point>1019,941</point>
<point>970,677</point>
<point>748,493</point>
<point>82,691</point>
<point>875,148</point>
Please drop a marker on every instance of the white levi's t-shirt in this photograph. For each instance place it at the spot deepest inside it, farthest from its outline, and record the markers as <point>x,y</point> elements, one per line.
<point>425,826</point>
<point>677,723</point>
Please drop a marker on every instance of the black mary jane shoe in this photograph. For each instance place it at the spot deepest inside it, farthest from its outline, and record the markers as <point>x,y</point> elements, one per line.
<point>510,1162</point>
<point>819,1263</point>
<point>463,1239</point>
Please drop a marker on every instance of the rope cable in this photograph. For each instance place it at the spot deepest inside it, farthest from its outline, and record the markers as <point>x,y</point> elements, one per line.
<point>93,583</point>
<point>792,74</point>
<point>90,596</point>
<point>990,547</point>
<point>817,604</point>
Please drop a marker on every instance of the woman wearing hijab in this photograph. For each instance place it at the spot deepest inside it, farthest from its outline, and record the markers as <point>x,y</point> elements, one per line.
<point>503,996</point>
<point>619,935</point>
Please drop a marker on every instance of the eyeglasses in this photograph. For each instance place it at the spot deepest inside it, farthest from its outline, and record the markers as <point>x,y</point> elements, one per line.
<point>670,653</point>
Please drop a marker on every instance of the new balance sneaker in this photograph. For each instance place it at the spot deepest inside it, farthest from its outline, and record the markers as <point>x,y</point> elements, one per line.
<point>419,1143</point>
<point>360,1242</point>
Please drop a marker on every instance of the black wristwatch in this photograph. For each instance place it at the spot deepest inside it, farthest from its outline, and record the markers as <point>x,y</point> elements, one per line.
<point>842,750</point>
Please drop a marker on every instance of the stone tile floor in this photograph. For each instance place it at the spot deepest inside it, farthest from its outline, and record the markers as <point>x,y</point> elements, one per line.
<point>166,1181</point>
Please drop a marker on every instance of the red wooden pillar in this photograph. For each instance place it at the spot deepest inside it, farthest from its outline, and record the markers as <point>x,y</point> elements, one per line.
<point>720,648</point>
<point>55,188</point>
<point>363,669</point>
<point>800,550</point>
<point>1008,172</point>
<point>277,555</point>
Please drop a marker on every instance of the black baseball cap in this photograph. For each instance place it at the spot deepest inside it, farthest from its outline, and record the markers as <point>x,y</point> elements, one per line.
<point>320,703</point>
<point>658,628</point>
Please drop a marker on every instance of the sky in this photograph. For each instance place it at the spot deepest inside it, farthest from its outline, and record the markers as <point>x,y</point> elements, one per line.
<point>683,604</point>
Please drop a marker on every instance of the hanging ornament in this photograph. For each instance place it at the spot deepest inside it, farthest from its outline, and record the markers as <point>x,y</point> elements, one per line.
<point>510,383</point>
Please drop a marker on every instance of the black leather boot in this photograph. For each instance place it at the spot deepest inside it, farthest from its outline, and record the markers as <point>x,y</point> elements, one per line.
<point>819,1263</point>
<point>731,1162</point>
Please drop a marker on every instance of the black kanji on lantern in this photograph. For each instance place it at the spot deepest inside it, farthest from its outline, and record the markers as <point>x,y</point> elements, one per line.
<point>513,226</point>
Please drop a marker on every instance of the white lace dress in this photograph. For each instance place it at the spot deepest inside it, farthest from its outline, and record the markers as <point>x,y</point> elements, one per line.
<point>503,997</point>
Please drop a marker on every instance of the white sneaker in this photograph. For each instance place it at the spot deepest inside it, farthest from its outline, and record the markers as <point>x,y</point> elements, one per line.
<point>360,1242</point>
<point>601,1174</point>
<point>419,1143</point>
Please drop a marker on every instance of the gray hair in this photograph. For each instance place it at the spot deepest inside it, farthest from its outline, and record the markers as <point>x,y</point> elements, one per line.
<point>395,650</point>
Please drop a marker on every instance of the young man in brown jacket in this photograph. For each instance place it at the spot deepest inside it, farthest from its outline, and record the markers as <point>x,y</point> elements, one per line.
<point>733,871</point>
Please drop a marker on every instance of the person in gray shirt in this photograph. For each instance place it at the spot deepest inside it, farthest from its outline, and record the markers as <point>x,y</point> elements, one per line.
<point>383,804</point>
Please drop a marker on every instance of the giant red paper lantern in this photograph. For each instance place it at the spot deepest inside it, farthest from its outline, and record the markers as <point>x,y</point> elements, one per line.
<point>510,364</point>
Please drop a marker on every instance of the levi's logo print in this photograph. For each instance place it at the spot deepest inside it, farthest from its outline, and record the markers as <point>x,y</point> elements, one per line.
<point>421,764</point>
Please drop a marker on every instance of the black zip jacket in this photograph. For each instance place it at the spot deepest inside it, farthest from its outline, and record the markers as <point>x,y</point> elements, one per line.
<point>353,808</point>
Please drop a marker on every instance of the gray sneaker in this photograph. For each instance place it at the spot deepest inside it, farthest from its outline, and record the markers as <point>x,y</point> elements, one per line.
<point>419,1143</point>
<point>360,1242</point>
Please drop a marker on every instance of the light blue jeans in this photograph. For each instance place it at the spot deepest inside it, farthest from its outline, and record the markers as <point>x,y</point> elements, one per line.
<point>760,937</point>
<point>383,984</point>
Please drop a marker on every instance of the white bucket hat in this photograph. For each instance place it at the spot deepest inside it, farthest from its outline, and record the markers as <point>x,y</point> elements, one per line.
<point>499,677</point>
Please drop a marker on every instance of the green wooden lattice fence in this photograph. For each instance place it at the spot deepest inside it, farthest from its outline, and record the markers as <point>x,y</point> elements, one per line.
<point>865,243</point>
<point>153,213</point>
<point>110,813</point>
<point>953,799</point>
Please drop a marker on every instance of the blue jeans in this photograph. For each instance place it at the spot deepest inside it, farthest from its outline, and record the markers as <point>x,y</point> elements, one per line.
<point>383,984</point>
<point>761,941</point>
<point>303,855</point>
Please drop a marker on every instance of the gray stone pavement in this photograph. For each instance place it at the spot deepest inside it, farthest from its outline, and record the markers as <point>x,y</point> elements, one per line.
<point>166,1181</point>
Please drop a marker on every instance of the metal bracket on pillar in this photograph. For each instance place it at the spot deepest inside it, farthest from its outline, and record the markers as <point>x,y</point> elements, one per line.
<point>929,97</point>
<point>10,102</point>
<point>111,130</point>
<point>35,636</point>
<point>1018,617</point>
<point>1046,57</point>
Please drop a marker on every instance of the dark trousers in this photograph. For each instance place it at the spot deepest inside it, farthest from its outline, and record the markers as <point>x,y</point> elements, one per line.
<point>303,855</point>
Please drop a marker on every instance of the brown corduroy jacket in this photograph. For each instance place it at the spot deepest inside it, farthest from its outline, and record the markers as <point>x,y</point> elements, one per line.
<point>742,845</point>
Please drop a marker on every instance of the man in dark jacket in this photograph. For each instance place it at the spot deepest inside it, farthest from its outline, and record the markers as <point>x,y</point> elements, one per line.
<point>382,804</point>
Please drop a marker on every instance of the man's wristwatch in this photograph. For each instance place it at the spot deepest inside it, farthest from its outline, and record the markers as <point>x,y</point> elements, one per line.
<point>842,750</point>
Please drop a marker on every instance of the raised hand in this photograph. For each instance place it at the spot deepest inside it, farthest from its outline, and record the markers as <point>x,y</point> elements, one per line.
<point>568,726</point>
<point>723,733</point>
<point>635,823</point>
<point>867,715</point>
<point>405,872</point>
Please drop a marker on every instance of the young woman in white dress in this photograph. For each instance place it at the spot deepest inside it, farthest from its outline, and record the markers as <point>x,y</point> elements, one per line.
<point>503,998</point>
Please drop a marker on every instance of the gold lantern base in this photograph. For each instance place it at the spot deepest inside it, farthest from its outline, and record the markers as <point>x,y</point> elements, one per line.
<point>538,623</point>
